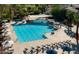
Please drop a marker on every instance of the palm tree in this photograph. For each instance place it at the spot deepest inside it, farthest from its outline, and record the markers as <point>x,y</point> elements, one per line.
<point>77,35</point>
<point>76,19</point>
<point>70,17</point>
<point>73,17</point>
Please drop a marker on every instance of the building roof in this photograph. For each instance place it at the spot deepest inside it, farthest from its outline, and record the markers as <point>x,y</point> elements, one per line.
<point>75,6</point>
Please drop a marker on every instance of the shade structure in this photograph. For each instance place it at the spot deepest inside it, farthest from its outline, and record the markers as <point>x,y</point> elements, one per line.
<point>34,17</point>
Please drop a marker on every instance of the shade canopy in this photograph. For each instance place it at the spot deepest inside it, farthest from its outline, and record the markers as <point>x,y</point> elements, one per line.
<point>34,17</point>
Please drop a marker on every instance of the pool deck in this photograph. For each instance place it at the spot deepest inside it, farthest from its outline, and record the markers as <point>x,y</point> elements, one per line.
<point>58,36</point>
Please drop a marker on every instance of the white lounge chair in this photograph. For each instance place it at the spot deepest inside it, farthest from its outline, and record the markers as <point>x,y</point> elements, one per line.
<point>8,34</point>
<point>24,21</point>
<point>13,22</point>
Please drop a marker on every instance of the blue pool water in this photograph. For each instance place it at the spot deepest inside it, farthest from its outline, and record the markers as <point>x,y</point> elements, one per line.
<point>40,21</point>
<point>31,32</point>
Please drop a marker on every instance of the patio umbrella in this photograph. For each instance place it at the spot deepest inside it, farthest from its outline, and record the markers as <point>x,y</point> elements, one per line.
<point>49,51</point>
<point>7,43</point>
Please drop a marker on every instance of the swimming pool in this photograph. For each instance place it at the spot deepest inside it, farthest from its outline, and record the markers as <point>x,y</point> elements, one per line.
<point>31,32</point>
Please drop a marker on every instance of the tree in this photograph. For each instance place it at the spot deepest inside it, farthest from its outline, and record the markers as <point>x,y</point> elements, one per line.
<point>76,19</point>
<point>58,13</point>
<point>10,11</point>
<point>5,11</point>
<point>70,18</point>
<point>73,17</point>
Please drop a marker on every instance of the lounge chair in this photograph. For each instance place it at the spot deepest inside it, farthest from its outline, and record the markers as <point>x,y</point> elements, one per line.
<point>72,34</point>
<point>55,28</point>
<point>4,27</point>
<point>50,27</point>
<point>44,46</point>
<point>44,36</point>
<point>3,30</point>
<point>24,21</point>
<point>66,48</point>
<point>52,32</point>
<point>28,51</point>
<point>9,51</point>
<point>13,22</point>
<point>19,23</point>
<point>38,49</point>
<point>25,51</point>
<point>5,24</point>
<point>4,33</point>
<point>1,50</point>
<point>48,46</point>
<point>1,38</point>
<point>32,50</point>
<point>43,49</point>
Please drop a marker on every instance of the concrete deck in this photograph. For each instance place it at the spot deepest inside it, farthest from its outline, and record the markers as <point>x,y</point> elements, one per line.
<point>59,36</point>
